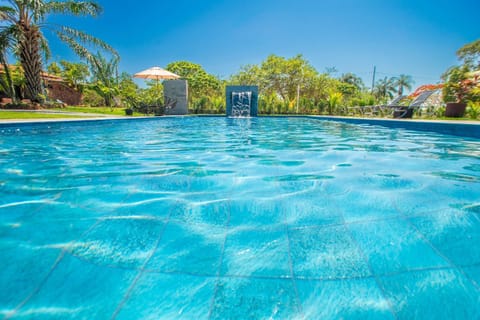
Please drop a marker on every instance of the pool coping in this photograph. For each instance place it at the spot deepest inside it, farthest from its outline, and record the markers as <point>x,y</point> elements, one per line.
<point>462,128</point>
<point>470,129</point>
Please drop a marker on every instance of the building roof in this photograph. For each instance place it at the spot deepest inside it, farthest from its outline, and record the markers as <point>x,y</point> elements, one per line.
<point>45,76</point>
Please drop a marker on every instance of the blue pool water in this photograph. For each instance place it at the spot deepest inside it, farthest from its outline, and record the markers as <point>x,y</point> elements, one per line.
<point>216,218</point>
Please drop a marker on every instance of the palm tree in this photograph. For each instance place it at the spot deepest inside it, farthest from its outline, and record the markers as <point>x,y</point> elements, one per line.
<point>6,82</point>
<point>24,20</point>
<point>105,77</point>
<point>403,82</point>
<point>353,80</point>
<point>384,88</point>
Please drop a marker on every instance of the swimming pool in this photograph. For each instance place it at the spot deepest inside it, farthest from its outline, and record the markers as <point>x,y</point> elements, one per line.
<point>217,218</point>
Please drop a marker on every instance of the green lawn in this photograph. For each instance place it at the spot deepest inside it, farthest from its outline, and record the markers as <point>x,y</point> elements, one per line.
<point>114,112</point>
<point>32,115</point>
<point>100,110</point>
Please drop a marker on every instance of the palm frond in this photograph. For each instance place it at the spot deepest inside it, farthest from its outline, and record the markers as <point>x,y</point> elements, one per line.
<point>7,13</point>
<point>7,37</point>
<point>79,50</point>
<point>77,8</point>
<point>82,37</point>
<point>36,8</point>
<point>47,54</point>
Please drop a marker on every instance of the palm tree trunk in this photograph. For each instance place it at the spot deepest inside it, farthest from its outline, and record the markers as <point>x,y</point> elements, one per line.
<point>31,61</point>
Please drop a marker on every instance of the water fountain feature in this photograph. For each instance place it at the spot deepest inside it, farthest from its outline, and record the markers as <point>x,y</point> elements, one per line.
<point>242,101</point>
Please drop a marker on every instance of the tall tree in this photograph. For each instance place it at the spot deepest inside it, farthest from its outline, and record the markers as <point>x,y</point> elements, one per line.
<point>280,76</point>
<point>24,20</point>
<point>403,82</point>
<point>470,54</point>
<point>385,88</point>
<point>105,77</point>
<point>55,69</point>
<point>6,81</point>
<point>352,79</point>
<point>200,82</point>
<point>75,73</point>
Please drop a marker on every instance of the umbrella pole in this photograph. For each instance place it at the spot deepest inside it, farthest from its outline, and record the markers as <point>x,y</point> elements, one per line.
<point>158,91</point>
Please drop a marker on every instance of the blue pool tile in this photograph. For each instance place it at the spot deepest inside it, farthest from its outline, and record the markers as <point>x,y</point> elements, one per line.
<point>16,211</point>
<point>99,196</point>
<point>212,212</point>
<point>41,209</point>
<point>311,211</point>
<point>438,294</point>
<point>393,246</point>
<point>153,206</point>
<point>260,252</point>
<point>244,298</point>
<point>474,274</point>
<point>174,180</point>
<point>78,290</point>
<point>257,213</point>
<point>326,253</point>
<point>423,200</point>
<point>345,299</point>
<point>453,233</point>
<point>52,226</point>
<point>161,296</point>
<point>121,242</point>
<point>365,205</point>
<point>189,248</point>
<point>23,267</point>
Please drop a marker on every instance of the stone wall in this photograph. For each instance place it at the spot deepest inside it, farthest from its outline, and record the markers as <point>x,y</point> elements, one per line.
<point>61,91</point>
<point>176,96</point>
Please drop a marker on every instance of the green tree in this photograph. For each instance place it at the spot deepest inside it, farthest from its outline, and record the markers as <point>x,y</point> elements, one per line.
<point>23,20</point>
<point>385,88</point>
<point>152,94</point>
<point>104,77</point>
<point>200,83</point>
<point>456,87</point>
<point>353,80</point>
<point>279,76</point>
<point>127,88</point>
<point>280,80</point>
<point>334,100</point>
<point>470,54</point>
<point>283,76</point>
<point>55,69</point>
<point>403,82</point>
<point>6,80</point>
<point>75,73</point>
<point>248,75</point>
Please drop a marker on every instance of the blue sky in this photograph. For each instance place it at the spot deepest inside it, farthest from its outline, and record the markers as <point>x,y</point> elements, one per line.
<point>418,38</point>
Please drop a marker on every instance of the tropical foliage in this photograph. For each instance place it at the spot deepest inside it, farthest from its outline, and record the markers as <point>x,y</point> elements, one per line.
<point>403,82</point>
<point>23,24</point>
<point>462,82</point>
<point>286,85</point>
<point>385,89</point>
<point>470,54</point>
<point>204,89</point>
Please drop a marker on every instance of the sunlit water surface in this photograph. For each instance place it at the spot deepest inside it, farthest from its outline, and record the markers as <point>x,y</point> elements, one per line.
<point>217,218</point>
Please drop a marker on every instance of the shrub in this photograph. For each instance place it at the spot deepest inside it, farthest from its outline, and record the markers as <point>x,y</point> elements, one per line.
<point>92,98</point>
<point>473,110</point>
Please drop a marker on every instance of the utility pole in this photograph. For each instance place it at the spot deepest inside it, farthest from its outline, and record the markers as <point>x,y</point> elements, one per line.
<point>373,79</point>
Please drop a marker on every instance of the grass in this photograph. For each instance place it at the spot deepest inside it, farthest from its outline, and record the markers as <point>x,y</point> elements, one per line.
<point>14,115</point>
<point>99,110</point>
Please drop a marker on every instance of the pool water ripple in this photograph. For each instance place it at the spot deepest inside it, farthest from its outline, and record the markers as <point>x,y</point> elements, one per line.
<point>216,218</point>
